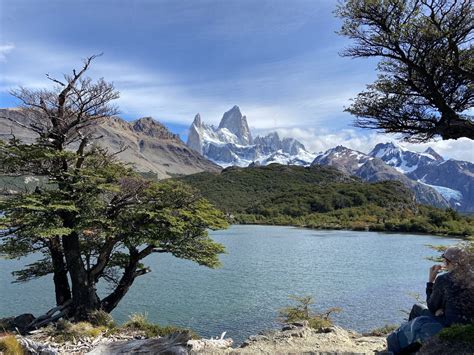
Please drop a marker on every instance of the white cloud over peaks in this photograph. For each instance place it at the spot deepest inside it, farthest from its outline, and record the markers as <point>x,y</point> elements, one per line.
<point>5,49</point>
<point>321,140</point>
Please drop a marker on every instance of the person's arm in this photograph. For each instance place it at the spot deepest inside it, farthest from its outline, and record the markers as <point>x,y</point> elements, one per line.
<point>435,295</point>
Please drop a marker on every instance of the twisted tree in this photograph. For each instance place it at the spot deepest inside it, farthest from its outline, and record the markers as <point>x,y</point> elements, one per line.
<point>95,219</point>
<point>425,85</point>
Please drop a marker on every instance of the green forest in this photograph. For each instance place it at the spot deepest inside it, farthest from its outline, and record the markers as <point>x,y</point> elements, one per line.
<point>322,197</point>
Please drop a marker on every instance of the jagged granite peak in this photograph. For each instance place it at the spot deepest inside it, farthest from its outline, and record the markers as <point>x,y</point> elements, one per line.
<point>237,124</point>
<point>149,127</point>
<point>197,120</point>
<point>231,143</point>
<point>434,154</point>
<point>195,140</point>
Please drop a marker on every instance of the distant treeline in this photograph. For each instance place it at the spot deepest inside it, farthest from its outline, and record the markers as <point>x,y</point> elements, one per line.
<point>322,197</point>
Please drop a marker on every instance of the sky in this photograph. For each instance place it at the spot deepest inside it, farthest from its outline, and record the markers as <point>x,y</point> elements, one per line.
<point>278,60</point>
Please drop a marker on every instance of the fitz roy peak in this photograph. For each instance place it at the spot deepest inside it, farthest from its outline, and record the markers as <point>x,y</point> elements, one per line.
<point>434,180</point>
<point>231,143</point>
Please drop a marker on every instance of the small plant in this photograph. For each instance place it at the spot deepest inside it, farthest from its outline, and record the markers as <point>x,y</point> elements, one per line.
<point>302,312</point>
<point>67,331</point>
<point>139,321</point>
<point>9,345</point>
<point>457,333</point>
<point>382,331</point>
<point>102,318</point>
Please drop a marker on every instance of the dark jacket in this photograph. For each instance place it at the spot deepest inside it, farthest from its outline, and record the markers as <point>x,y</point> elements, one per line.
<point>445,294</point>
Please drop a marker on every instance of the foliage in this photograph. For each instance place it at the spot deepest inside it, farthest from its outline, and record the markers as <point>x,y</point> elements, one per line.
<point>9,345</point>
<point>100,318</point>
<point>322,197</point>
<point>139,321</point>
<point>92,218</point>
<point>457,332</point>
<point>64,331</point>
<point>426,68</point>
<point>302,312</point>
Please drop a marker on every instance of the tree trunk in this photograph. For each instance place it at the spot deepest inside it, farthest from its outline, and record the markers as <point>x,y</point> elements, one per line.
<point>111,301</point>
<point>84,297</point>
<point>61,281</point>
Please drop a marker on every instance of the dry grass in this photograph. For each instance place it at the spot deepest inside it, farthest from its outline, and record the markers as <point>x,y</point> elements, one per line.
<point>9,345</point>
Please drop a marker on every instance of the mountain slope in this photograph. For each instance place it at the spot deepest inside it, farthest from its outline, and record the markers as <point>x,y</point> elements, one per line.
<point>150,146</point>
<point>373,169</point>
<point>453,179</point>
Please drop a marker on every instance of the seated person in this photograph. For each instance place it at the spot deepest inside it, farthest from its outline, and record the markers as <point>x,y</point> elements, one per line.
<point>445,298</point>
<point>443,294</point>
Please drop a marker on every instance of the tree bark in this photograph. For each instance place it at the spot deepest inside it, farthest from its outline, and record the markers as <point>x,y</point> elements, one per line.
<point>61,281</point>
<point>84,297</point>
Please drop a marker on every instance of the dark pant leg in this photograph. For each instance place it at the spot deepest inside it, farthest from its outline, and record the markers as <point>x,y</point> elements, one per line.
<point>419,310</point>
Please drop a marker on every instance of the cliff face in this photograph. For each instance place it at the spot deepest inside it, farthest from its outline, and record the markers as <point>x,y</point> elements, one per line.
<point>150,146</point>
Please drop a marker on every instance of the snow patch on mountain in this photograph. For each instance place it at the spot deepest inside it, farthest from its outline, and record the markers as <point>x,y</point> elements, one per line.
<point>446,192</point>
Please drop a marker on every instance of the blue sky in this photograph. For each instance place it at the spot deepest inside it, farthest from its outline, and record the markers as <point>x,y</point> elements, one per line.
<point>277,60</point>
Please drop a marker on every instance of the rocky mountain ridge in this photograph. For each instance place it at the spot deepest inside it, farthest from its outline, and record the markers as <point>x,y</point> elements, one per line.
<point>453,179</point>
<point>150,146</point>
<point>435,181</point>
<point>373,169</point>
<point>231,143</point>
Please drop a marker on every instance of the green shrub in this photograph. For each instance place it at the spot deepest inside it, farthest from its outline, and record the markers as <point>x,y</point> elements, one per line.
<point>9,345</point>
<point>64,330</point>
<point>457,333</point>
<point>102,319</point>
<point>302,312</point>
<point>139,321</point>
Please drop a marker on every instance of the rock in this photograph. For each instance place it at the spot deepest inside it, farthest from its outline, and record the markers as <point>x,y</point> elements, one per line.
<point>302,339</point>
<point>175,344</point>
<point>20,322</point>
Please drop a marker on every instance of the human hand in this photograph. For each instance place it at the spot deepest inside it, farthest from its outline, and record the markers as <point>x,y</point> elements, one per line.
<point>434,271</point>
<point>439,312</point>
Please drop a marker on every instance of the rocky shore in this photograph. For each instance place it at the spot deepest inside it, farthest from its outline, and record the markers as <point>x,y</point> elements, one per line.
<point>295,338</point>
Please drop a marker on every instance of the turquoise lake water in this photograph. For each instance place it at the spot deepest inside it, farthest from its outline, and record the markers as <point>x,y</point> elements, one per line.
<point>369,275</point>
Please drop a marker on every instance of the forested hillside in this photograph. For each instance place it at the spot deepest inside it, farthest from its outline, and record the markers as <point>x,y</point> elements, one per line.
<point>322,197</point>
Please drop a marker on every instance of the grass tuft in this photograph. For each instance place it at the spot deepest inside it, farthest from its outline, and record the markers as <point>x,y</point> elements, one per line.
<point>458,333</point>
<point>9,345</point>
<point>139,321</point>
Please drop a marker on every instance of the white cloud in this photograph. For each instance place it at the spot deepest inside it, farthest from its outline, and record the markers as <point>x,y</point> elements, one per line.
<point>320,140</point>
<point>5,49</point>
<point>292,97</point>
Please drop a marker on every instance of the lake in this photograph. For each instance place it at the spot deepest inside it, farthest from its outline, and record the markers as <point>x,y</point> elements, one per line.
<point>370,275</point>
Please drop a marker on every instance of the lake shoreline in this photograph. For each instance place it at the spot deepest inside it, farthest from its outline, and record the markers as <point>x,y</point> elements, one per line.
<point>387,231</point>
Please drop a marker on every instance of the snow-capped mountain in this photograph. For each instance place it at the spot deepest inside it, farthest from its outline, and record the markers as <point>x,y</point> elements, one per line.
<point>373,169</point>
<point>231,143</point>
<point>402,159</point>
<point>434,180</point>
<point>453,179</point>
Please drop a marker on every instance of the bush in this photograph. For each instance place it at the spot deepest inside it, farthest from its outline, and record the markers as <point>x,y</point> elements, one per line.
<point>9,345</point>
<point>302,312</point>
<point>67,331</point>
<point>457,333</point>
<point>102,319</point>
<point>139,321</point>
